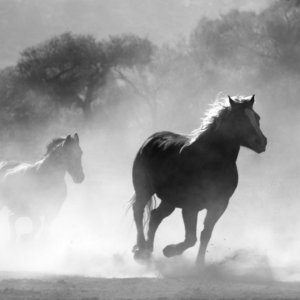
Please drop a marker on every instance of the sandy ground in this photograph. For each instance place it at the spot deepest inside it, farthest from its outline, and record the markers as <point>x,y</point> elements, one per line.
<point>28,286</point>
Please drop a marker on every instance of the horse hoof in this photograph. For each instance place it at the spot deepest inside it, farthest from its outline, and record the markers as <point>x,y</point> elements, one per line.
<point>142,255</point>
<point>199,269</point>
<point>200,264</point>
<point>170,250</point>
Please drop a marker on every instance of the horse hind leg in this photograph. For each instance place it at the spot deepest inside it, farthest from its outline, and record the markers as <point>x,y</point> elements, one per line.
<point>36,226</point>
<point>139,203</point>
<point>190,224</point>
<point>156,217</point>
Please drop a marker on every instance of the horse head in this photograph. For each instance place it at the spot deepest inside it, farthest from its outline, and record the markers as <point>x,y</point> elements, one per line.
<point>245,126</point>
<point>72,157</point>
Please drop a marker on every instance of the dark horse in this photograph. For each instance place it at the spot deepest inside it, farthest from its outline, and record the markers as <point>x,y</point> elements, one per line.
<point>193,172</point>
<point>38,190</point>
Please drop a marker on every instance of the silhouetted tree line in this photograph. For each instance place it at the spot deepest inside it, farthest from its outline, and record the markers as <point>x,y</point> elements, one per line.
<point>129,78</point>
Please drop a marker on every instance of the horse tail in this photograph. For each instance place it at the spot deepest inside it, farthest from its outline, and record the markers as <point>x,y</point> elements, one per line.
<point>151,204</point>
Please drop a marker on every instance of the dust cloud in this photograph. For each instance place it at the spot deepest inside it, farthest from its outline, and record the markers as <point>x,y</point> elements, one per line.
<point>94,233</point>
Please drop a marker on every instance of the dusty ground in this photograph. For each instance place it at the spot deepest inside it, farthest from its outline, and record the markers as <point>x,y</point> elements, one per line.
<point>66,287</point>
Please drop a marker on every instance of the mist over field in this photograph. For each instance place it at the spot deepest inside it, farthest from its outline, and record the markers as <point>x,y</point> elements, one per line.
<point>117,71</point>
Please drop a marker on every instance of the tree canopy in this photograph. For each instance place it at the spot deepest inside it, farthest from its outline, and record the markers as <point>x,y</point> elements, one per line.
<point>240,51</point>
<point>72,68</point>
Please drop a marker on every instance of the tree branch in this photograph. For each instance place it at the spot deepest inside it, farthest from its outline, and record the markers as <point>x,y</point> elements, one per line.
<point>61,73</point>
<point>133,86</point>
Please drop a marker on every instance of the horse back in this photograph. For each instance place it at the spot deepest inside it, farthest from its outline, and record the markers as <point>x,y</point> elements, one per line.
<point>158,156</point>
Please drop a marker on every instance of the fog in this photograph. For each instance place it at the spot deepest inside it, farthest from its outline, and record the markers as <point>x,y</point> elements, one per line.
<point>94,233</point>
<point>169,19</point>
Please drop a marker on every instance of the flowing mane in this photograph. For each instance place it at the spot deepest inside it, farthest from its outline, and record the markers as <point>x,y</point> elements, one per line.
<point>53,144</point>
<point>214,116</point>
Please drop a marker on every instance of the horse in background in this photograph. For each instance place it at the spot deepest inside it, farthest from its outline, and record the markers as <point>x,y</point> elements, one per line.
<point>38,190</point>
<point>193,172</point>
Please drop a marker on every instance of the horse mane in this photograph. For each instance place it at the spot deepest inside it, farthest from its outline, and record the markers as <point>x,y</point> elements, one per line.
<point>214,116</point>
<point>54,143</point>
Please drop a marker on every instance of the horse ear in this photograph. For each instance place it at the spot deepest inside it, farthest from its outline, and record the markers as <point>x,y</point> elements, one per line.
<point>68,139</point>
<point>232,102</point>
<point>76,137</point>
<point>251,101</point>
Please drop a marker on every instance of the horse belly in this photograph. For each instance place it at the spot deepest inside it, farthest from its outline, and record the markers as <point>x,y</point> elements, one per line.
<point>30,197</point>
<point>199,191</point>
<point>182,193</point>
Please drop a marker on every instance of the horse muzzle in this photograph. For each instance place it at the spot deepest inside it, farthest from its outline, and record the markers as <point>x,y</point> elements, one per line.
<point>259,145</point>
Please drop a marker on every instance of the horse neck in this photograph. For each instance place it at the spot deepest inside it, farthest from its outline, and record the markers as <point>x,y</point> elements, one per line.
<point>52,164</point>
<point>219,142</point>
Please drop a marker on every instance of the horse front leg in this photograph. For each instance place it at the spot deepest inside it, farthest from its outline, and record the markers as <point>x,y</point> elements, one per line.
<point>190,223</point>
<point>212,216</point>
<point>48,221</point>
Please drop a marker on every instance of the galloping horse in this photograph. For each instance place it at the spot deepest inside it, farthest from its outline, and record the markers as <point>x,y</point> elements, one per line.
<point>193,172</point>
<point>38,190</point>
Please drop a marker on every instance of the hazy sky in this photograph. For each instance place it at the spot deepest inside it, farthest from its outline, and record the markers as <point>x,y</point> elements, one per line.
<point>26,22</point>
